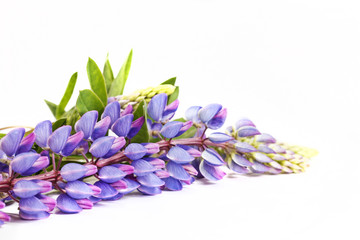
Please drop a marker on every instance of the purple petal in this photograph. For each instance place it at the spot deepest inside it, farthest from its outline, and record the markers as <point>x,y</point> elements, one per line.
<point>247,131</point>
<point>87,123</point>
<point>212,157</point>
<point>190,169</point>
<point>42,132</point>
<point>275,164</point>
<point>26,188</point>
<point>156,106</point>
<point>128,169</point>
<point>95,190</point>
<point>116,146</point>
<point>107,191</point>
<point>156,162</point>
<point>173,184</point>
<point>101,146</point>
<point>2,204</point>
<point>10,143</point>
<point>179,155</point>
<point>186,126</point>
<point>114,198</point>
<point>131,186</point>
<point>127,110</point>
<point>34,216</point>
<point>136,126</point>
<point>84,203</point>
<point>26,143</point>
<point>177,171</point>
<point>150,180</point>
<point>47,201</point>
<point>67,204</point>
<point>119,185</point>
<point>162,174</point>
<point>259,167</point>
<point>4,217</point>
<point>73,171</point>
<point>101,128</point>
<point>210,172</point>
<point>83,147</point>
<point>192,114</point>
<point>72,143</point>
<point>149,190</point>
<point>240,160</point>
<point>110,174</point>
<point>113,111</point>
<point>58,138</point>
<point>135,151</point>
<point>45,186</point>
<point>219,137</point>
<point>78,189</point>
<point>237,168</point>
<point>265,149</point>
<point>170,110</point>
<point>278,157</point>
<point>32,205</point>
<point>244,122</point>
<point>121,127</point>
<point>208,112</point>
<point>171,129</point>
<point>265,138</point>
<point>218,120</point>
<point>142,167</point>
<point>192,151</point>
<point>260,157</point>
<point>22,162</point>
<point>41,163</point>
<point>244,147</point>
<point>277,148</point>
<point>90,170</point>
<point>151,148</point>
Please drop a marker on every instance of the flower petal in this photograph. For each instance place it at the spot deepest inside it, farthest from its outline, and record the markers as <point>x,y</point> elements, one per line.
<point>259,167</point>
<point>212,157</point>
<point>131,186</point>
<point>72,143</point>
<point>173,184</point>
<point>42,132</point>
<point>218,120</point>
<point>247,131</point>
<point>119,185</point>
<point>177,171</point>
<point>150,180</point>
<point>4,217</point>
<point>34,216</point>
<point>110,174</point>
<point>136,126</point>
<point>208,112</point>
<point>67,204</point>
<point>210,172</point>
<point>58,138</point>
<point>170,110</point>
<point>73,171</point>
<point>244,147</point>
<point>171,129</point>
<point>135,151</point>
<point>101,128</point>
<point>240,160</point>
<point>84,203</point>
<point>260,157</point>
<point>121,127</point>
<point>186,126</point>
<point>265,138</point>
<point>192,114</point>
<point>32,205</point>
<point>78,189</point>
<point>47,201</point>
<point>22,162</point>
<point>151,148</point>
<point>142,167</point>
<point>101,146</point>
<point>26,143</point>
<point>179,155</point>
<point>87,123</point>
<point>244,122</point>
<point>107,191</point>
<point>218,137</point>
<point>149,190</point>
<point>26,189</point>
<point>237,168</point>
<point>156,106</point>
<point>113,111</point>
<point>265,149</point>
<point>116,146</point>
<point>128,110</point>
<point>10,143</point>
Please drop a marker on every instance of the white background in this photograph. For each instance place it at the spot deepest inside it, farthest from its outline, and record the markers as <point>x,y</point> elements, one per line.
<point>290,66</point>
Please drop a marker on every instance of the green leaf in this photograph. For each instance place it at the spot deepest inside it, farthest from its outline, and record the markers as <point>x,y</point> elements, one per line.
<point>174,95</point>
<point>143,134</point>
<point>189,133</point>
<point>117,86</point>
<point>60,122</point>
<point>96,79</point>
<point>170,81</point>
<point>2,135</point>
<point>88,101</point>
<point>52,107</point>
<point>67,95</point>
<point>108,74</point>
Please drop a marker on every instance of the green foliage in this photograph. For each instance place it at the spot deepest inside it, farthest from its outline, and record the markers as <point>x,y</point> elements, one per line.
<point>108,74</point>
<point>143,134</point>
<point>52,107</point>
<point>97,81</point>
<point>118,85</point>
<point>174,95</point>
<point>170,81</point>
<point>58,123</point>
<point>60,110</point>
<point>88,101</point>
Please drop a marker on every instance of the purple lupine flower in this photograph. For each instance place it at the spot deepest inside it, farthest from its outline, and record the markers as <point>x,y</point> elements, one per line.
<point>104,145</point>
<point>58,138</point>
<point>212,115</point>
<point>26,143</point>
<point>87,123</point>
<point>42,131</point>
<point>24,161</point>
<point>218,137</point>
<point>136,126</point>
<point>75,171</point>
<point>101,128</point>
<point>158,109</point>
<point>3,216</point>
<point>113,111</point>
<point>72,143</point>
<point>10,142</point>
<point>122,125</point>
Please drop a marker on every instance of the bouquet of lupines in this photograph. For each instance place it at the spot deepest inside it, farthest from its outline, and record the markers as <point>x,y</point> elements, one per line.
<point>111,144</point>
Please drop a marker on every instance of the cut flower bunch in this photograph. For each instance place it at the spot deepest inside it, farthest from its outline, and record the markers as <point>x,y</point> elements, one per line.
<point>110,144</point>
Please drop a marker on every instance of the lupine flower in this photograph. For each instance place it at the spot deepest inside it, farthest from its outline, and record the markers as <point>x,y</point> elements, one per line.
<point>212,116</point>
<point>10,142</point>
<point>158,109</point>
<point>3,216</point>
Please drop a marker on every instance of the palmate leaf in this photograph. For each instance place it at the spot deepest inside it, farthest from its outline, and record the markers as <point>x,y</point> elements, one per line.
<point>97,81</point>
<point>143,134</point>
<point>67,95</point>
<point>88,101</point>
<point>117,86</point>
